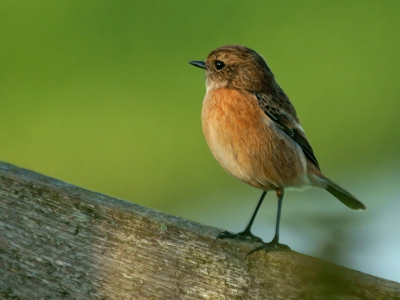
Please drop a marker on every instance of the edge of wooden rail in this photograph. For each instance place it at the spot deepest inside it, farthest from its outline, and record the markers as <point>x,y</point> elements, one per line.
<point>60,241</point>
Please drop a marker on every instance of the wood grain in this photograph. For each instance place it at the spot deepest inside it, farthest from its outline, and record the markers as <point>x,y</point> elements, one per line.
<point>58,241</point>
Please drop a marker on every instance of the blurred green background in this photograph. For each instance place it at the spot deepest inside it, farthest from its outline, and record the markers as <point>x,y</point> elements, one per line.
<point>100,94</point>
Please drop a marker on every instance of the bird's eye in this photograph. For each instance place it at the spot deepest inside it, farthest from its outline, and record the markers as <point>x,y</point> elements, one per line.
<point>219,65</point>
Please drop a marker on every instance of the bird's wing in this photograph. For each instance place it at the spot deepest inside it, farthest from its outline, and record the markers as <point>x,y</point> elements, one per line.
<point>282,112</point>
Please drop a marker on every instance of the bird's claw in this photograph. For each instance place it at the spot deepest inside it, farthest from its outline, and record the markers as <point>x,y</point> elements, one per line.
<point>268,247</point>
<point>245,235</point>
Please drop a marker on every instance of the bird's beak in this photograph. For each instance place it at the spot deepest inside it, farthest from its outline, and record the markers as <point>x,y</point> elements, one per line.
<point>198,63</point>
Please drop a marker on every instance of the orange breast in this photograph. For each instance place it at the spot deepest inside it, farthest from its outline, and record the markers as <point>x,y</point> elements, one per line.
<point>247,144</point>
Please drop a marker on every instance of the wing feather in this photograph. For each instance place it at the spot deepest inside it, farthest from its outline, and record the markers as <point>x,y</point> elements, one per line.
<point>282,112</point>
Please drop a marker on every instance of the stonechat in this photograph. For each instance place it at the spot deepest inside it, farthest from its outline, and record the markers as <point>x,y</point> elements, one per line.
<point>253,131</point>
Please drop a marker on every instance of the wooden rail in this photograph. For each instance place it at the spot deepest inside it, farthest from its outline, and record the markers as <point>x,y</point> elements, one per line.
<point>58,241</point>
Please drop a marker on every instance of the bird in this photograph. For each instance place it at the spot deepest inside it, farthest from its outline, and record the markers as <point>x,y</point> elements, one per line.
<point>253,131</point>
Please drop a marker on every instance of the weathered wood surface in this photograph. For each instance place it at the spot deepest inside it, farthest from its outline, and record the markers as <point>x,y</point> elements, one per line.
<point>58,241</point>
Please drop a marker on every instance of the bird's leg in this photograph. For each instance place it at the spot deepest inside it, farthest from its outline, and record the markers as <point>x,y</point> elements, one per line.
<point>274,244</point>
<point>245,234</point>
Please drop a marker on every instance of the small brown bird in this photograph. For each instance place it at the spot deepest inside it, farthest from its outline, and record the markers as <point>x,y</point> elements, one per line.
<point>253,132</point>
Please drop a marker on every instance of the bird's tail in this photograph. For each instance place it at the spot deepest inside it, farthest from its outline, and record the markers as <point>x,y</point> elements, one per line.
<point>344,196</point>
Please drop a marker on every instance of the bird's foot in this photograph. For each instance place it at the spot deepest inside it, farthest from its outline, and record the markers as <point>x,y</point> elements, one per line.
<point>245,235</point>
<point>268,247</point>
